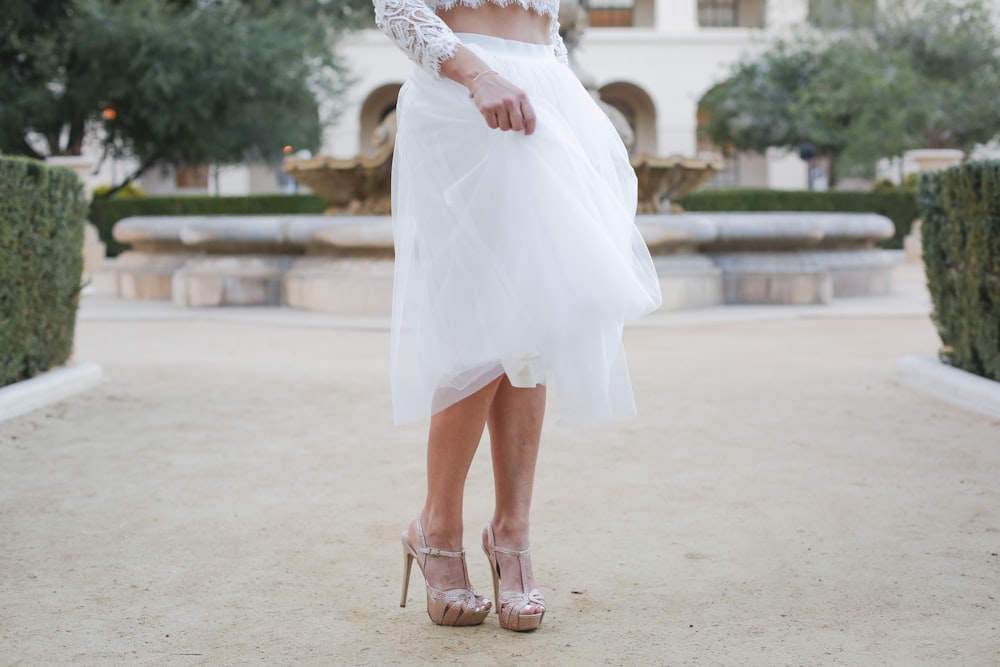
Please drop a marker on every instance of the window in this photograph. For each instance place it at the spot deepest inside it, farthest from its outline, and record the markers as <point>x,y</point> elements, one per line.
<point>832,14</point>
<point>611,13</point>
<point>731,13</point>
<point>191,176</point>
<point>718,13</point>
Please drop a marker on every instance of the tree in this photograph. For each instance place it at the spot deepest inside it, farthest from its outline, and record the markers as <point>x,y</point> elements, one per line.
<point>922,74</point>
<point>170,82</point>
<point>765,103</point>
<point>35,60</point>
<point>952,50</point>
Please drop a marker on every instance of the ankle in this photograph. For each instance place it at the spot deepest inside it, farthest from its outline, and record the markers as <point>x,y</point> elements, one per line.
<point>511,532</point>
<point>441,531</point>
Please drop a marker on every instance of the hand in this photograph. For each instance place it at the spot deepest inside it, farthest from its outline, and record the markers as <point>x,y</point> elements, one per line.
<point>503,105</point>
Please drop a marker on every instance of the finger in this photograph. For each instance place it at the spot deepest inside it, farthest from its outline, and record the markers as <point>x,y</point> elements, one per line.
<point>491,119</point>
<point>530,120</point>
<point>504,119</point>
<point>514,113</point>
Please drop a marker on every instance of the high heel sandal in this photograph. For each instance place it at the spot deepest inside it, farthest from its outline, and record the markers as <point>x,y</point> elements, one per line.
<point>511,603</point>
<point>458,606</point>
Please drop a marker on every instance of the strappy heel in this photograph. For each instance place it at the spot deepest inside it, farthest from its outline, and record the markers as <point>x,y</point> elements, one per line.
<point>458,606</point>
<point>511,603</point>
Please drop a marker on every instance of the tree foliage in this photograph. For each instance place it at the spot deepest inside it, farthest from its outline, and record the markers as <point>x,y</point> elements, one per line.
<point>921,74</point>
<point>953,51</point>
<point>170,81</point>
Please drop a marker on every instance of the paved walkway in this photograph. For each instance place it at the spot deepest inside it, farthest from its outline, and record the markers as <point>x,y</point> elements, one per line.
<point>232,495</point>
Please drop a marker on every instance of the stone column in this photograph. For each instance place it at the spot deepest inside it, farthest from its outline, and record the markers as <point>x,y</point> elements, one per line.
<point>782,14</point>
<point>677,16</point>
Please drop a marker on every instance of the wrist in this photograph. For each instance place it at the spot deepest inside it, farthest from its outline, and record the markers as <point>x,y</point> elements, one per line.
<point>464,67</point>
<point>477,76</point>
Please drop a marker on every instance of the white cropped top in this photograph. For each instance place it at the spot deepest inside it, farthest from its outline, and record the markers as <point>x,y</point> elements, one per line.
<point>428,41</point>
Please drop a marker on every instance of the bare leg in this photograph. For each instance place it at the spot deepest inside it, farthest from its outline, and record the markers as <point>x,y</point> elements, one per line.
<point>515,422</point>
<point>454,437</point>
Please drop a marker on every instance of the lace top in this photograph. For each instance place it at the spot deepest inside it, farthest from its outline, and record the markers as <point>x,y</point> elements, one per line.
<point>428,41</point>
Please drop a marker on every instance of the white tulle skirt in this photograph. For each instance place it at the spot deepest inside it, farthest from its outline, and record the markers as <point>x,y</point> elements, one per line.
<point>514,254</point>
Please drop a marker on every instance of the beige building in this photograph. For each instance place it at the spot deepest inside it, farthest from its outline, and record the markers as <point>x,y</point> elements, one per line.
<point>652,59</point>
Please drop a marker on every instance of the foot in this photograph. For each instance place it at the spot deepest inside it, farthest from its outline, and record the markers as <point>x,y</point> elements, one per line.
<point>521,607</point>
<point>510,565</point>
<point>444,574</point>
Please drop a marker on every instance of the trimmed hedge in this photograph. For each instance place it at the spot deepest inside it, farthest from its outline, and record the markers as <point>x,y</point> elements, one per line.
<point>961,239</point>
<point>900,207</point>
<point>42,217</point>
<point>104,213</point>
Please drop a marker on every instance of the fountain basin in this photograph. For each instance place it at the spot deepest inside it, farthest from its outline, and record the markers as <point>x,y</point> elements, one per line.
<point>343,264</point>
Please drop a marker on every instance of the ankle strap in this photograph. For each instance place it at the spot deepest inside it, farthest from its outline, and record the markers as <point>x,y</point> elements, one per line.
<point>431,551</point>
<point>510,552</point>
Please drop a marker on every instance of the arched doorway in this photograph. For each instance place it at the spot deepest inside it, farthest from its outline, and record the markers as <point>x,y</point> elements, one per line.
<point>638,108</point>
<point>379,104</point>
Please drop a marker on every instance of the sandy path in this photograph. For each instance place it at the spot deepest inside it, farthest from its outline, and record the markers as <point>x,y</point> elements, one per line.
<point>233,496</point>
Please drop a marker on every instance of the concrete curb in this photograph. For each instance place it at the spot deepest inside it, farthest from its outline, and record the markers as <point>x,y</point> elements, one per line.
<point>51,387</point>
<point>952,385</point>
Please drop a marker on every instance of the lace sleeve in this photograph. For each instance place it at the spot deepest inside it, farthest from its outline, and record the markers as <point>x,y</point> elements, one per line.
<point>557,42</point>
<point>425,38</point>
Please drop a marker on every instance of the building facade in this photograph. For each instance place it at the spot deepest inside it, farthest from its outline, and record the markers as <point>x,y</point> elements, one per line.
<point>652,59</point>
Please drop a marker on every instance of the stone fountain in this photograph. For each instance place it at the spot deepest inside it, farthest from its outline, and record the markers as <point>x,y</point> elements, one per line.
<point>660,179</point>
<point>360,185</point>
<point>342,262</point>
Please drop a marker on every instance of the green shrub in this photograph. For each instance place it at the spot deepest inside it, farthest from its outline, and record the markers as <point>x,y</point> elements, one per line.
<point>961,239</point>
<point>42,216</point>
<point>104,213</point>
<point>130,191</point>
<point>885,185</point>
<point>899,206</point>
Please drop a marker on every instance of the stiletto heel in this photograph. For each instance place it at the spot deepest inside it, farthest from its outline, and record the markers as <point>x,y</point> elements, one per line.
<point>458,606</point>
<point>407,566</point>
<point>511,603</point>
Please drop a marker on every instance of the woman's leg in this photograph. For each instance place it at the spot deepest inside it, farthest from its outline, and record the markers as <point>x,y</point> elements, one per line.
<point>515,423</point>
<point>454,436</point>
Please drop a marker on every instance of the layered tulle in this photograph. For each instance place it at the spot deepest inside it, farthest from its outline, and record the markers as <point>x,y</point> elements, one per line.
<point>514,254</point>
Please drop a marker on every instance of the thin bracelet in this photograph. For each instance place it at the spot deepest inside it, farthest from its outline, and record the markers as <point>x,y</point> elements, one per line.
<point>476,78</point>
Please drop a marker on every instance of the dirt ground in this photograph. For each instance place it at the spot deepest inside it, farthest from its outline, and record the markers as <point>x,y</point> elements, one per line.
<point>234,492</point>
